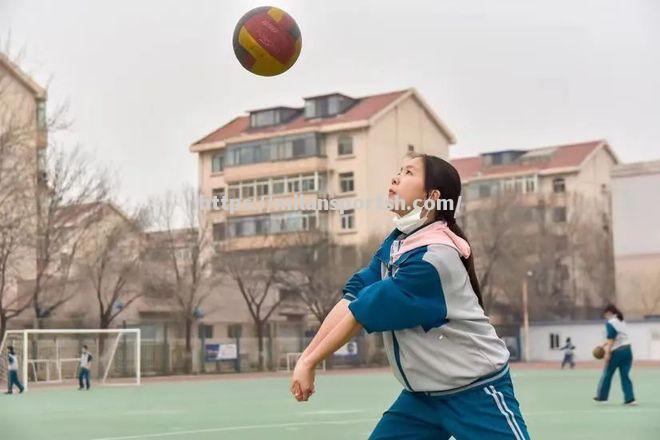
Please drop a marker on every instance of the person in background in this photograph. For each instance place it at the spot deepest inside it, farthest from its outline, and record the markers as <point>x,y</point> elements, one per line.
<point>569,354</point>
<point>85,363</point>
<point>13,372</point>
<point>618,355</point>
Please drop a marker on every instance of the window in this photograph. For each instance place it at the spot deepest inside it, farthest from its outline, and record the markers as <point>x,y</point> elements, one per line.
<point>278,186</point>
<point>264,118</point>
<point>346,183</point>
<point>559,185</point>
<point>554,341</point>
<point>247,190</point>
<point>234,331</point>
<point>289,295</point>
<point>261,225</point>
<point>298,147</point>
<point>218,162</point>
<point>41,115</point>
<point>559,214</point>
<point>348,219</point>
<point>530,184</point>
<point>263,187</point>
<point>308,183</point>
<point>218,231</point>
<point>411,147</point>
<point>205,331</point>
<point>234,191</point>
<point>345,144</point>
<point>293,184</point>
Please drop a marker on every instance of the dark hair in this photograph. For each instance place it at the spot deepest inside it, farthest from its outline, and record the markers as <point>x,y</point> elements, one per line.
<point>85,347</point>
<point>441,175</point>
<point>611,308</point>
<point>11,349</point>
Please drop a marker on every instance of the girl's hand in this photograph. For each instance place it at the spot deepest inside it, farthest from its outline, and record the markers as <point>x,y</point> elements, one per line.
<point>607,357</point>
<point>302,381</point>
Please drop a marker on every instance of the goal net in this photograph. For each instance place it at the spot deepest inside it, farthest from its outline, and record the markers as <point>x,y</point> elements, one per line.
<point>53,356</point>
<point>288,362</point>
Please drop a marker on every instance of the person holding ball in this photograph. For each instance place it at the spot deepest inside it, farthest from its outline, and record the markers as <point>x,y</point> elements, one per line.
<point>617,356</point>
<point>421,292</point>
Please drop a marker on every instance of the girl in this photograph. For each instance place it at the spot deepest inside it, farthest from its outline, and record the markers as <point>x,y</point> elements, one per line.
<point>618,355</point>
<point>420,290</point>
<point>13,372</point>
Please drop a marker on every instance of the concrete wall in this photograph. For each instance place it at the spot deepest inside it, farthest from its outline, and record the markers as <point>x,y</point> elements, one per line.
<point>636,217</point>
<point>644,336</point>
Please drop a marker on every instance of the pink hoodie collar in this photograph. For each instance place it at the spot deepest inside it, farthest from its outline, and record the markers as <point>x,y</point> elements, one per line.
<point>435,233</point>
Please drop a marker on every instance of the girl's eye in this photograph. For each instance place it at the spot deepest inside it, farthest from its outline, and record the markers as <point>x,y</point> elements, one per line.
<point>408,172</point>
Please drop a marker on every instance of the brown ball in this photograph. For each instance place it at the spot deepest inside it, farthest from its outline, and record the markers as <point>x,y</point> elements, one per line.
<point>599,352</point>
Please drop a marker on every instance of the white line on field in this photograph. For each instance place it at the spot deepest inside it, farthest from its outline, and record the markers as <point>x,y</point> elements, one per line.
<point>351,421</point>
<point>238,428</point>
<point>595,411</point>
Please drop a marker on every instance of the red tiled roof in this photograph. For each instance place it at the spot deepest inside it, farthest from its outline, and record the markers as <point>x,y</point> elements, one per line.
<point>365,108</point>
<point>561,156</point>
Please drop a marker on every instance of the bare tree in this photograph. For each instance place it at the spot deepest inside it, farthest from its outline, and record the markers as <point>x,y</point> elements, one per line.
<point>180,258</point>
<point>317,269</point>
<point>494,231</point>
<point>257,274</point>
<point>66,211</point>
<point>111,264</point>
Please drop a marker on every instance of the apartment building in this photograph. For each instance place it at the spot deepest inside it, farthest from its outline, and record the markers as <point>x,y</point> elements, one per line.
<point>23,141</point>
<point>554,203</point>
<point>334,147</point>
<point>635,218</point>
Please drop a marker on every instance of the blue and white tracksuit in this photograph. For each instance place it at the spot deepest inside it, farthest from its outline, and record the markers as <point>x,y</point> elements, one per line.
<point>439,342</point>
<point>83,374</point>
<point>12,379</point>
<point>620,359</point>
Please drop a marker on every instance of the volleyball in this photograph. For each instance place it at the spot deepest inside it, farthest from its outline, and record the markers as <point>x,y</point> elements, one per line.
<point>267,41</point>
<point>599,352</point>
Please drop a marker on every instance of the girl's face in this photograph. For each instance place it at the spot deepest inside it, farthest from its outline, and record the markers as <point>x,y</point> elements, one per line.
<point>608,315</point>
<point>407,185</point>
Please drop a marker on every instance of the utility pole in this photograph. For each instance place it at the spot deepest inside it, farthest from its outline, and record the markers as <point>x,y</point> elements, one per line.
<point>525,307</point>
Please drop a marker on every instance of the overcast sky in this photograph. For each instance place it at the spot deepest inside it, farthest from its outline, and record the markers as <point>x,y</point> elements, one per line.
<point>145,78</point>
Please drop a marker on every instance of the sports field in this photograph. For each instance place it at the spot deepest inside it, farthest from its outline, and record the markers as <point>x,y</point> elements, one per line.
<point>556,404</point>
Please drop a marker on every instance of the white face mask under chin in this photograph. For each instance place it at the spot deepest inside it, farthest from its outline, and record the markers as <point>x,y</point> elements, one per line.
<point>411,221</point>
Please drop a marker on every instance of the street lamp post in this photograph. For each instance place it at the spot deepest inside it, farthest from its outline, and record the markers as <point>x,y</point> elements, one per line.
<point>525,310</point>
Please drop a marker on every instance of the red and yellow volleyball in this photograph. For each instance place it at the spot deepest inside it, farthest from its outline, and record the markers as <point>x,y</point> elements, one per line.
<point>267,41</point>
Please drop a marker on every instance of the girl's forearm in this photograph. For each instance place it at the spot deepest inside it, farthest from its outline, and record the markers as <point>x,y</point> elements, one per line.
<point>347,328</point>
<point>338,312</point>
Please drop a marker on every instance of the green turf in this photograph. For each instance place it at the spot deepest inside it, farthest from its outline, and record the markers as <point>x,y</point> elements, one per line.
<point>556,405</point>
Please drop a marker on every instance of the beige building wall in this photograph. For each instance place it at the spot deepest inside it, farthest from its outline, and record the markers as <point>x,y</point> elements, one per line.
<point>24,136</point>
<point>636,217</point>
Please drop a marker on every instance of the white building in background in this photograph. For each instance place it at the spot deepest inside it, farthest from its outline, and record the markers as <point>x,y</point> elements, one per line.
<point>636,231</point>
<point>547,338</point>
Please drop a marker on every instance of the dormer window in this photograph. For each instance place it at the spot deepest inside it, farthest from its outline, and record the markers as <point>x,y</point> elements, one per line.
<point>328,105</point>
<point>272,116</point>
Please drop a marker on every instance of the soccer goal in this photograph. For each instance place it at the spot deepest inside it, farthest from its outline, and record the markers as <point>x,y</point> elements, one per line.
<point>290,360</point>
<point>53,355</point>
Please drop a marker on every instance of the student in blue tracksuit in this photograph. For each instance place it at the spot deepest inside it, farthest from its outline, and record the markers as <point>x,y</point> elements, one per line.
<point>421,292</point>
<point>569,354</point>
<point>83,373</point>
<point>618,356</point>
<point>12,367</point>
